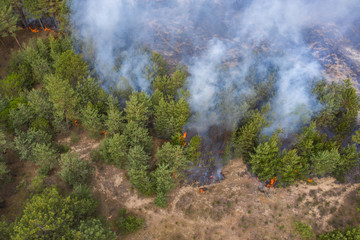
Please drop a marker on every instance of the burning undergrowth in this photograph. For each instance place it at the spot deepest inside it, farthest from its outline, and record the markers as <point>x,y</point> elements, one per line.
<point>208,169</point>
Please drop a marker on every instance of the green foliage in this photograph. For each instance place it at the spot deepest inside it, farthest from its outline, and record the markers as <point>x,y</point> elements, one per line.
<point>193,150</point>
<point>21,117</point>
<point>138,136</point>
<point>25,142</point>
<point>70,67</point>
<point>114,150</point>
<point>137,169</point>
<point>349,106</point>
<point>40,105</point>
<point>32,63</point>
<point>8,21</point>
<point>90,90</point>
<point>304,231</point>
<point>170,117</point>
<point>349,234</point>
<point>36,185</point>
<point>115,120</point>
<point>59,45</point>
<point>4,145</point>
<point>64,16</point>
<point>93,229</point>
<point>163,182</point>
<point>173,157</point>
<point>5,228</point>
<point>91,120</point>
<point>291,167</point>
<point>310,141</point>
<point>138,109</point>
<point>82,202</point>
<point>45,156</point>
<point>8,106</point>
<point>157,69</point>
<point>63,97</point>
<point>128,223</point>
<point>324,162</point>
<point>45,216</point>
<point>167,85</point>
<point>75,171</point>
<point>342,105</point>
<point>11,85</point>
<point>246,138</point>
<point>265,160</point>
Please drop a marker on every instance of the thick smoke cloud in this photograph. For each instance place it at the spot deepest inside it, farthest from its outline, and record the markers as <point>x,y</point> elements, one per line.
<point>220,41</point>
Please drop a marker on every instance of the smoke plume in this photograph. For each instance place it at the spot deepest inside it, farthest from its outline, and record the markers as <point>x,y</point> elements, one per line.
<point>225,43</point>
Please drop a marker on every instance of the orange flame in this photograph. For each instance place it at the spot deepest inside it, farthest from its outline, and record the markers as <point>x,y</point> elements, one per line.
<point>77,123</point>
<point>201,190</point>
<point>310,180</point>
<point>272,182</point>
<point>34,30</point>
<point>103,132</point>
<point>183,138</point>
<point>48,29</point>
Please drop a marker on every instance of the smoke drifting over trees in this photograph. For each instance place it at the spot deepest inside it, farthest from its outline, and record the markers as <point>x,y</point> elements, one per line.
<point>224,43</point>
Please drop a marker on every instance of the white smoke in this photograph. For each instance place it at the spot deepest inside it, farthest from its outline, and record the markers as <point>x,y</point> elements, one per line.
<point>217,40</point>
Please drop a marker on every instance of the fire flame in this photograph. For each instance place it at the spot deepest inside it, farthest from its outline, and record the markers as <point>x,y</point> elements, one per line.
<point>77,123</point>
<point>272,182</point>
<point>201,190</point>
<point>34,30</point>
<point>48,29</point>
<point>310,180</point>
<point>183,138</point>
<point>103,132</point>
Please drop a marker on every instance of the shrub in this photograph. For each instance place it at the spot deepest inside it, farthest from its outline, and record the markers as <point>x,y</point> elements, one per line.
<point>324,162</point>
<point>128,223</point>
<point>45,156</point>
<point>45,216</point>
<point>25,142</point>
<point>5,228</point>
<point>75,171</point>
<point>93,229</point>
<point>136,135</point>
<point>137,170</point>
<point>349,234</point>
<point>82,202</point>
<point>114,150</point>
